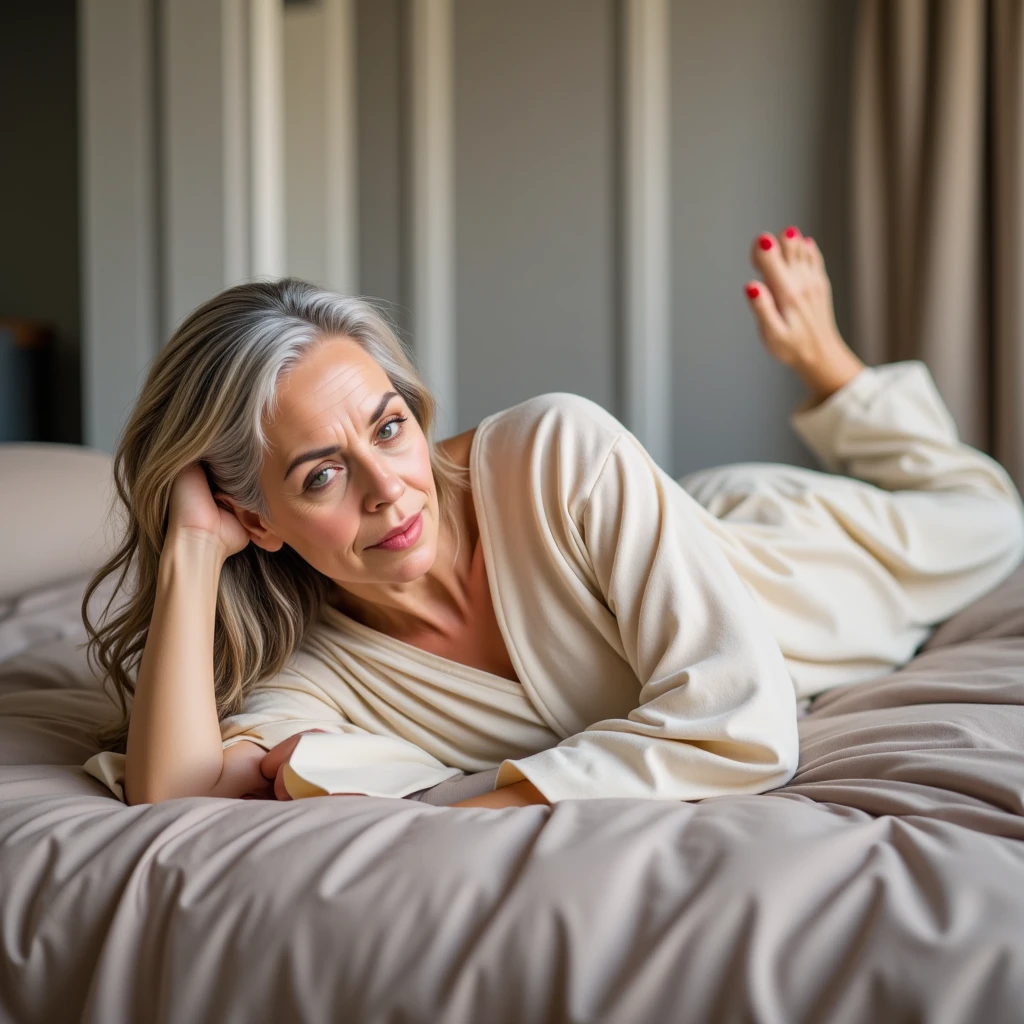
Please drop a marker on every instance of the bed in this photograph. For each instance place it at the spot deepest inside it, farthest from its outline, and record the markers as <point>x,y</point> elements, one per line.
<point>885,882</point>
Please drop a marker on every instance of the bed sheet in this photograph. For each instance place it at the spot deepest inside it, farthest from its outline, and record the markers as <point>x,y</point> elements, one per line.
<point>884,882</point>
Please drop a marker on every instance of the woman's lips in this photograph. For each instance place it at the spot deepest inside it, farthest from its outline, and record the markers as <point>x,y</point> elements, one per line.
<point>405,539</point>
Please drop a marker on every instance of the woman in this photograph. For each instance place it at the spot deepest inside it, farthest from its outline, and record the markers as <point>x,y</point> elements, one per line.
<point>326,602</point>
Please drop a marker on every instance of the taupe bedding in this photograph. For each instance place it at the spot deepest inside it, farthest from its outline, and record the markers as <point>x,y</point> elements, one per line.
<point>884,883</point>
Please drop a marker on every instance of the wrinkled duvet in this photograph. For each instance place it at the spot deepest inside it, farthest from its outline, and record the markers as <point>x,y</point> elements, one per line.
<point>884,883</point>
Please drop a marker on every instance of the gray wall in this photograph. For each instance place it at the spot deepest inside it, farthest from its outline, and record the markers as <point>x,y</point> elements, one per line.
<point>304,144</point>
<point>382,215</point>
<point>759,98</point>
<point>39,244</point>
<point>535,243</point>
<point>759,104</point>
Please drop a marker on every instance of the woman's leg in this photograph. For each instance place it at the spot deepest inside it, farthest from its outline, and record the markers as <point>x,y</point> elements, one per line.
<point>946,519</point>
<point>908,526</point>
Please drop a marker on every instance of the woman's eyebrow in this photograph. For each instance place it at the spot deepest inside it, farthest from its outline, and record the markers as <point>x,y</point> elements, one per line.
<point>330,450</point>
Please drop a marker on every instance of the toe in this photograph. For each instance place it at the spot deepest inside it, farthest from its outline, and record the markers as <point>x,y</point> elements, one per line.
<point>767,257</point>
<point>770,324</point>
<point>814,253</point>
<point>793,246</point>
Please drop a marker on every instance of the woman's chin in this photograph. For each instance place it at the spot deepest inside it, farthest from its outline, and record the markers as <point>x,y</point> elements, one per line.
<point>404,566</point>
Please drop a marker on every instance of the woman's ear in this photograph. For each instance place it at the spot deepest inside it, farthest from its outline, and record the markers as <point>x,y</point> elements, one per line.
<point>260,535</point>
<point>221,500</point>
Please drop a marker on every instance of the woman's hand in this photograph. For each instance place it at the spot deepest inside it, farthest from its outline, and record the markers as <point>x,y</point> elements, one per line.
<point>519,794</point>
<point>195,510</point>
<point>272,765</point>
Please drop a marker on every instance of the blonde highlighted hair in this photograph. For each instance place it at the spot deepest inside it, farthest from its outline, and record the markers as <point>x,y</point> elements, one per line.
<point>205,399</point>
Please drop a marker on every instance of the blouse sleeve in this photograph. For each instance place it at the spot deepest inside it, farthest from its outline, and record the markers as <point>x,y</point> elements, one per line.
<point>716,712</point>
<point>345,758</point>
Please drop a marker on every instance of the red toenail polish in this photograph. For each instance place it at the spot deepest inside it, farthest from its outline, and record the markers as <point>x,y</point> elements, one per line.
<point>791,232</point>
<point>808,240</point>
<point>753,291</point>
<point>765,242</point>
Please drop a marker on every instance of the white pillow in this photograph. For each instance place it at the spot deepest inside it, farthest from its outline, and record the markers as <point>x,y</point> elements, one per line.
<point>55,501</point>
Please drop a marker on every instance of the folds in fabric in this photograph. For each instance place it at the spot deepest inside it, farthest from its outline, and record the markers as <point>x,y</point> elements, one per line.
<point>715,709</point>
<point>342,759</point>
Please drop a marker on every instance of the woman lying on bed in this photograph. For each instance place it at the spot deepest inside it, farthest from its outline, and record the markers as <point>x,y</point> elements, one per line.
<point>326,601</point>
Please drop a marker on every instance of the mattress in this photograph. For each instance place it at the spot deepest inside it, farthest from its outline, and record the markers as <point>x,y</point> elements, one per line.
<point>885,882</point>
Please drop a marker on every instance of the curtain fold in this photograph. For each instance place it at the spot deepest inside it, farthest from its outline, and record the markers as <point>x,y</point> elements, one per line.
<point>937,205</point>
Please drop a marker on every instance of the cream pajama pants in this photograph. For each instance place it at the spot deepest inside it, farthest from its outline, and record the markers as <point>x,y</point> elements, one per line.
<point>857,563</point>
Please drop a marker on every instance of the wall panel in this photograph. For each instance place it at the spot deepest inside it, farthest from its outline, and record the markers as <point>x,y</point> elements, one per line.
<point>759,105</point>
<point>535,245</point>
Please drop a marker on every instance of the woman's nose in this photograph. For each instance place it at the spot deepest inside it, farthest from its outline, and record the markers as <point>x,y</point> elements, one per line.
<point>383,485</point>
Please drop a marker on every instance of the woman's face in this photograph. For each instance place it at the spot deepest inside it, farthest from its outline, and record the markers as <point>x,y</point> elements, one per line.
<point>348,463</point>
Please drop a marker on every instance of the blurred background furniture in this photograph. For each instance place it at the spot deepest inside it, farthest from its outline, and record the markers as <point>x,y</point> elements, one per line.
<point>26,392</point>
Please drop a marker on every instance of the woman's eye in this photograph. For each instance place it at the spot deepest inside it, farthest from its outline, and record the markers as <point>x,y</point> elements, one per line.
<point>393,422</point>
<point>313,478</point>
<point>392,426</point>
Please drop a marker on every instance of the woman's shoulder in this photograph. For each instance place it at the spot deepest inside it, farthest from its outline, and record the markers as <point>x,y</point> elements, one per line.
<point>553,416</point>
<point>549,448</point>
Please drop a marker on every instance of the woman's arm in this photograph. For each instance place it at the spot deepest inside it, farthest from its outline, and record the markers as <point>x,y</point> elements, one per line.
<point>242,775</point>
<point>716,711</point>
<point>518,794</point>
<point>174,742</point>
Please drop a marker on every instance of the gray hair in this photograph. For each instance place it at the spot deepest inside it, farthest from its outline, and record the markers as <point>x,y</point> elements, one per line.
<point>206,399</point>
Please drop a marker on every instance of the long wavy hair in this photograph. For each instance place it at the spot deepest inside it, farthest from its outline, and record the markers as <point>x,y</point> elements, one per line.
<point>205,399</point>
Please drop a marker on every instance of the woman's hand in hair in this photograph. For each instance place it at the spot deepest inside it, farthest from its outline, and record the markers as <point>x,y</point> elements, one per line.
<point>195,511</point>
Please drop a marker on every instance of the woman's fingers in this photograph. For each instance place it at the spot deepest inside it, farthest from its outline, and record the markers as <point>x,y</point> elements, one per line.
<point>277,756</point>
<point>262,794</point>
<point>279,788</point>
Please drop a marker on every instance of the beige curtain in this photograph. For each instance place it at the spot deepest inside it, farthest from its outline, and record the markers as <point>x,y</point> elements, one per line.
<point>937,205</point>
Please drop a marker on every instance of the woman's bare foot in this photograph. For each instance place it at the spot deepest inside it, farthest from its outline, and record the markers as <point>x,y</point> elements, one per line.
<point>793,309</point>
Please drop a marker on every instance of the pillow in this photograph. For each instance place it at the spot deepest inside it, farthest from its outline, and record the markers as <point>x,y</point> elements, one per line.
<point>50,705</point>
<point>55,502</point>
<point>50,699</point>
